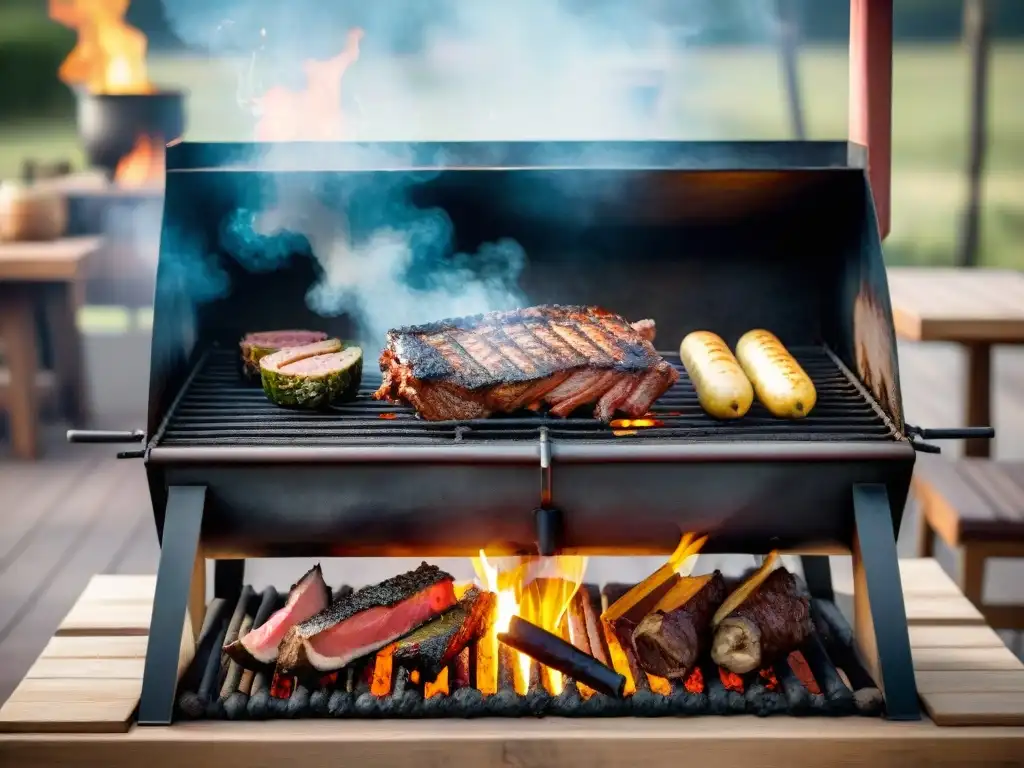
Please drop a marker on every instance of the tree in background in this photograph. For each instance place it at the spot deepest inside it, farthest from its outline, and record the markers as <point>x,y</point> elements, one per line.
<point>976,39</point>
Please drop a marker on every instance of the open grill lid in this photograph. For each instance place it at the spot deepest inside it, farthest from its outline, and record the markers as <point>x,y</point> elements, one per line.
<point>725,236</point>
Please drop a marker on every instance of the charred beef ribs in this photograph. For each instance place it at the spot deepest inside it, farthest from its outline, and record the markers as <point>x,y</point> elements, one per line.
<point>501,362</point>
<point>306,598</point>
<point>366,620</point>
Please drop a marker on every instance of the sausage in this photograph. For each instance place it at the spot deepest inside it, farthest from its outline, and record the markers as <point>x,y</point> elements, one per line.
<point>782,386</point>
<point>723,389</point>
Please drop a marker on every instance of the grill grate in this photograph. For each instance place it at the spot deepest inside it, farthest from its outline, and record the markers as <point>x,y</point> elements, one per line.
<point>217,409</point>
<point>825,677</point>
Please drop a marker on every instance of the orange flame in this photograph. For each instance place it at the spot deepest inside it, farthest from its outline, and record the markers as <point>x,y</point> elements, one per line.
<point>621,427</point>
<point>143,166</point>
<point>536,589</point>
<point>110,55</point>
<point>313,114</point>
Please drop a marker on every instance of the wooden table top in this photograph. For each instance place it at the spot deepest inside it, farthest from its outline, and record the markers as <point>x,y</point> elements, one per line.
<point>46,261</point>
<point>962,305</point>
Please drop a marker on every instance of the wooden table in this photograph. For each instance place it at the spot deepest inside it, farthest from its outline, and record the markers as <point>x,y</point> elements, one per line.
<point>976,308</point>
<point>48,274</point>
<point>76,705</point>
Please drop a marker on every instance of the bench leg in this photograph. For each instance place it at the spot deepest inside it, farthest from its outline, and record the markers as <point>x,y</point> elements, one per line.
<point>925,535</point>
<point>180,595</point>
<point>880,617</point>
<point>979,397</point>
<point>18,331</point>
<point>68,363</point>
<point>971,574</point>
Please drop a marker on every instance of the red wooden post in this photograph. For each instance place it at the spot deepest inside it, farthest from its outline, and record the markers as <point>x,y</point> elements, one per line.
<point>871,95</point>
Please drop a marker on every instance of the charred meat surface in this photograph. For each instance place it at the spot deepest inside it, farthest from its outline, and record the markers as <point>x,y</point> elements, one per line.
<point>366,620</point>
<point>433,646</point>
<point>314,376</point>
<point>668,643</point>
<point>771,623</point>
<point>562,357</point>
<point>256,346</point>
<point>259,647</point>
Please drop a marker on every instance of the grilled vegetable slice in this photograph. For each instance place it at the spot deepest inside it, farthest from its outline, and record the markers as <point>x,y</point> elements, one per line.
<point>256,346</point>
<point>313,376</point>
<point>782,386</point>
<point>723,389</point>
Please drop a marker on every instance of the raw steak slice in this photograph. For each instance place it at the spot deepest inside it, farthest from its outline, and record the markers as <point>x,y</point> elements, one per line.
<point>368,619</point>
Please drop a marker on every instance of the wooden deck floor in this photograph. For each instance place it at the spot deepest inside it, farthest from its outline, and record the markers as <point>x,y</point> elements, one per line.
<point>80,511</point>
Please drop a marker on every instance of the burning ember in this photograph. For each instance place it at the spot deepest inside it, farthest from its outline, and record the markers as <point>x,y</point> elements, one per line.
<point>313,114</point>
<point>536,589</point>
<point>622,427</point>
<point>143,165</point>
<point>110,55</point>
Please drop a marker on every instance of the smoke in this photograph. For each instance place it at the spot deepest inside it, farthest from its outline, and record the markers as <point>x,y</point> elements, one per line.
<point>436,70</point>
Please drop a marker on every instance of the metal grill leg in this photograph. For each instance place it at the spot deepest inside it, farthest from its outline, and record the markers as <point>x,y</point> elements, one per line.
<point>880,616</point>
<point>177,579</point>
<point>228,579</point>
<point>818,575</point>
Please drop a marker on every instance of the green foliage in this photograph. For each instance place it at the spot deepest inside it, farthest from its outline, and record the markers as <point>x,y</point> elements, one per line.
<point>31,50</point>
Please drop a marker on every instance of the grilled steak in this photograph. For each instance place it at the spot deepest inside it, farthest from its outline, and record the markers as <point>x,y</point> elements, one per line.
<point>771,623</point>
<point>307,597</point>
<point>431,647</point>
<point>256,346</point>
<point>562,357</point>
<point>366,620</point>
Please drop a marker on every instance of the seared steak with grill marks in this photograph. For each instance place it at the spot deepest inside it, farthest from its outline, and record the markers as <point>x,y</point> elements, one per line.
<point>500,362</point>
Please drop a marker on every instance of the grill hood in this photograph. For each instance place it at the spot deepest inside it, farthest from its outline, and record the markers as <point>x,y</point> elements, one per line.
<point>723,236</point>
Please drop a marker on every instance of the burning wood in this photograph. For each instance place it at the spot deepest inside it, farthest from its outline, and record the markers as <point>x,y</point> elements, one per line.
<point>553,652</point>
<point>670,640</point>
<point>430,648</point>
<point>629,610</point>
<point>771,622</point>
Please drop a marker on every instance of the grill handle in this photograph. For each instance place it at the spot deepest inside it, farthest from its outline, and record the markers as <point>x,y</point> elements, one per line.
<point>107,436</point>
<point>952,433</point>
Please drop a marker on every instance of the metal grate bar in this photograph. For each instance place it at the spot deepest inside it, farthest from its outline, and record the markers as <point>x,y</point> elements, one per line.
<point>219,410</point>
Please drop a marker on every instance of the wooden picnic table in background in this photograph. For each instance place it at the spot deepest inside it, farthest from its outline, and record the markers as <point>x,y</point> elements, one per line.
<point>50,275</point>
<point>974,307</point>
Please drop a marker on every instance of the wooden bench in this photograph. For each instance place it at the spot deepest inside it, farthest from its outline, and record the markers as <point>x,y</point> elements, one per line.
<point>977,507</point>
<point>47,274</point>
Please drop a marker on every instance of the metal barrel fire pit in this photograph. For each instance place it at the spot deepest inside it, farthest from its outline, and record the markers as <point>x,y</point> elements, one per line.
<point>703,235</point>
<point>110,125</point>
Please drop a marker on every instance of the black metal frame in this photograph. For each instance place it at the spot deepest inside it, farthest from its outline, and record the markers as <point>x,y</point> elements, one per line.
<point>883,628</point>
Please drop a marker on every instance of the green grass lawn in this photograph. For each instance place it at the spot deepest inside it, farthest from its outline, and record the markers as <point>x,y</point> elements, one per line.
<point>733,93</point>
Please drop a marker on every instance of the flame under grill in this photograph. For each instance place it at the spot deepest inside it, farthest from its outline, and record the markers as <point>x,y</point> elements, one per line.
<point>823,678</point>
<point>216,409</point>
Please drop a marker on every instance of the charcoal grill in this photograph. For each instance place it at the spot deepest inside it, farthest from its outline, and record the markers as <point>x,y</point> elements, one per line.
<point>706,235</point>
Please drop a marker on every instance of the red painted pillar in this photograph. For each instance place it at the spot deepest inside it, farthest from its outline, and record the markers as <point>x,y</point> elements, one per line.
<point>871,95</point>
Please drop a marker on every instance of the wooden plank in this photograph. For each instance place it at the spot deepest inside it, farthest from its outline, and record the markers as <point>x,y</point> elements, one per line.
<point>925,577</point>
<point>103,647</point>
<point>953,505</point>
<point>996,481</point>
<point>117,588</point>
<point>108,618</point>
<point>966,659</point>
<point>976,681</point>
<point>86,669</point>
<point>942,610</point>
<point>564,743</point>
<point>990,709</point>
<point>71,704</point>
<point>943,636</point>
